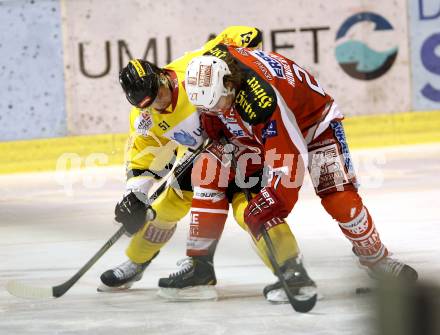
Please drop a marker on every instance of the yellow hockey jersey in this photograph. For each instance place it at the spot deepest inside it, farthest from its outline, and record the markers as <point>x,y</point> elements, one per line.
<point>155,138</point>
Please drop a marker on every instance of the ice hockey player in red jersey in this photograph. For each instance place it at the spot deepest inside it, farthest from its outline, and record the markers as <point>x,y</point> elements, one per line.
<point>163,126</point>
<point>275,101</point>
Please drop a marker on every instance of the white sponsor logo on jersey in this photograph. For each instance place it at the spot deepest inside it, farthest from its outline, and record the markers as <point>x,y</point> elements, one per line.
<point>271,63</point>
<point>143,124</point>
<point>287,70</point>
<point>208,194</point>
<point>232,124</point>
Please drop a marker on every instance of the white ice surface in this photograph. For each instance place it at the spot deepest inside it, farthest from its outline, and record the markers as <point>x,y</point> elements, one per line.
<point>49,231</point>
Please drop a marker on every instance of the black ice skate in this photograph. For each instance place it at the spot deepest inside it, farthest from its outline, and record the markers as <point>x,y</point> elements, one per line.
<point>194,280</point>
<point>301,285</point>
<point>390,267</point>
<point>123,276</point>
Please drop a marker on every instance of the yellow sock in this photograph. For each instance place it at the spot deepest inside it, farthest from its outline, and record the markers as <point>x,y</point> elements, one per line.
<point>170,207</point>
<point>284,241</point>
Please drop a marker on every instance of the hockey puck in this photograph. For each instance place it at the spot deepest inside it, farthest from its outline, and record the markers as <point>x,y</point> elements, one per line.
<point>363,290</point>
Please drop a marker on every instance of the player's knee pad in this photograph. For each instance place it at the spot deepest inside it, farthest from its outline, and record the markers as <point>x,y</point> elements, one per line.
<point>343,206</point>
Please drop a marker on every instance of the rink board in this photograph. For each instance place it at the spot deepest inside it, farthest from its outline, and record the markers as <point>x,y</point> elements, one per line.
<point>102,150</point>
<point>320,36</point>
<point>71,54</point>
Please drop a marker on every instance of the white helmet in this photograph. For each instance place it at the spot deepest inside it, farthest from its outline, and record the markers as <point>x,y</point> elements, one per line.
<point>204,81</point>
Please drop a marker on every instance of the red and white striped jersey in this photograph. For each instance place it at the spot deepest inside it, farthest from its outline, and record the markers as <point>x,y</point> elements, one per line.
<point>280,106</point>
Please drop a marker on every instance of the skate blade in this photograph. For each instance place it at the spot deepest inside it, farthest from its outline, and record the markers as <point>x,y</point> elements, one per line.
<point>195,293</point>
<point>279,296</point>
<point>108,289</point>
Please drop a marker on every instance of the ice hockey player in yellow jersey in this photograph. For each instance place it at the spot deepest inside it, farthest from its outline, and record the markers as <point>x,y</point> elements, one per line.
<point>163,125</point>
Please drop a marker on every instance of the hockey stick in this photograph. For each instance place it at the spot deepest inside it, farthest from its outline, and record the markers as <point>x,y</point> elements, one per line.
<point>299,305</point>
<point>23,290</point>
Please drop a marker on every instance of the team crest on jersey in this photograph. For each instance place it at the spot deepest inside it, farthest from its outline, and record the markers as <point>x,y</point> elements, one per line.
<point>270,130</point>
<point>143,124</point>
<point>271,63</point>
<point>184,138</point>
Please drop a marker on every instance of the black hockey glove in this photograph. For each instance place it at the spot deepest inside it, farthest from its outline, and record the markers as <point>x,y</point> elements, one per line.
<point>133,213</point>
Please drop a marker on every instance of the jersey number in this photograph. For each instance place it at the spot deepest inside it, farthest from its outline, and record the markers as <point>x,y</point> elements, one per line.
<point>163,125</point>
<point>301,72</point>
<point>246,38</point>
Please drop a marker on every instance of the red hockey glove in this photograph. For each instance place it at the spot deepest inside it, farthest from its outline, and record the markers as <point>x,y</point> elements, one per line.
<point>264,207</point>
<point>212,125</point>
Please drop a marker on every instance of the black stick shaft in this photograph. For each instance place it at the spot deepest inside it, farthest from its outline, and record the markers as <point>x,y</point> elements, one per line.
<point>296,305</point>
<point>188,159</point>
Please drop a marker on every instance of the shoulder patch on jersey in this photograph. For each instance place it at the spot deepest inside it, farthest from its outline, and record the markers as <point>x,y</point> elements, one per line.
<point>256,100</point>
<point>143,124</point>
<point>270,130</point>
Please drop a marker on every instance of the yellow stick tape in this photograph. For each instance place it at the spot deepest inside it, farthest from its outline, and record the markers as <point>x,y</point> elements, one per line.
<point>362,132</point>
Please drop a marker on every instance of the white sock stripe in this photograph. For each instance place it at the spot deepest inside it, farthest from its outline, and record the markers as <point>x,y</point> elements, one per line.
<point>203,189</point>
<point>199,243</point>
<point>364,236</point>
<point>209,210</point>
<point>359,217</point>
<point>358,225</point>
